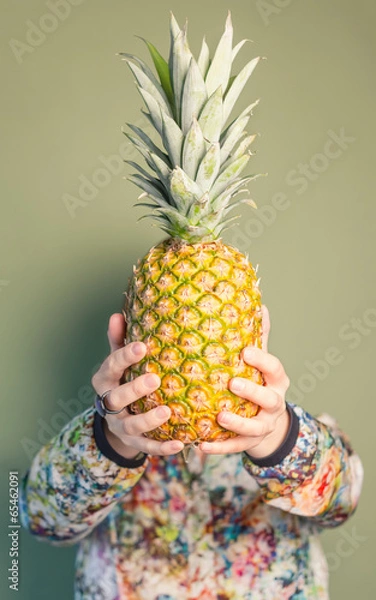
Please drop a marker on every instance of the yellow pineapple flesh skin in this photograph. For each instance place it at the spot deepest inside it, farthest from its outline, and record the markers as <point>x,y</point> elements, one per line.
<point>196,307</point>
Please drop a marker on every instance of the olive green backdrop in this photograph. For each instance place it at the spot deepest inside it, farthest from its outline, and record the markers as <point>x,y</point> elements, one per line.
<point>69,234</point>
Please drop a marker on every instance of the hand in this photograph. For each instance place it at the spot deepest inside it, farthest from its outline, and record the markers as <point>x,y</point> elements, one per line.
<point>261,435</point>
<point>125,431</point>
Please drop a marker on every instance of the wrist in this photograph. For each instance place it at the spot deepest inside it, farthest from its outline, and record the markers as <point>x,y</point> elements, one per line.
<point>272,442</point>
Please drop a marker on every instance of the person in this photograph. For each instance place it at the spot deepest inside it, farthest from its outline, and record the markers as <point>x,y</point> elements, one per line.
<point>239,520</point>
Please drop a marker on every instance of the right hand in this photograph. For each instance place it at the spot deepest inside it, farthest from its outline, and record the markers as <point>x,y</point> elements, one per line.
<point>125,431</point>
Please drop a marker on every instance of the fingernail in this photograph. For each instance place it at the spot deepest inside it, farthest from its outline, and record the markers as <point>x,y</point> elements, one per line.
<point>152,380</point>
<point>162,412</point>
<point>237,384</point>
<point>138,348</point>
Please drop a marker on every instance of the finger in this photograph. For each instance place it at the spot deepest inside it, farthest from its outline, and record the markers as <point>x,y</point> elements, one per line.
<point>230,446</point>
<point>136,425</point>
<point>264,396</point>
<point>153,447</point>
<point>127,393</point>
<point>269,365</point>
<point>116,331</point>
<point>265,327</point>
<point>112,369</point>
<point>256,427</point>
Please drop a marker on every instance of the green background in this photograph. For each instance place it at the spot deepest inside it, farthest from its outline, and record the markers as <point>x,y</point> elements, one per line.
<point>62,274</point>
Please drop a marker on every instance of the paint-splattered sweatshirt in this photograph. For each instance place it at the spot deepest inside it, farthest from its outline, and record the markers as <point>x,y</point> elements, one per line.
<point>160,529</point>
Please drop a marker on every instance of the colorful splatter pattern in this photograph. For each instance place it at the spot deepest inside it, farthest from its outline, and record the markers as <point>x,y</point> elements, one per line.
<point>164,531</point>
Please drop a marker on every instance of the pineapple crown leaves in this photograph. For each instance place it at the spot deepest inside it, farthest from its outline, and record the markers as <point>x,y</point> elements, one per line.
<point>197,175</point>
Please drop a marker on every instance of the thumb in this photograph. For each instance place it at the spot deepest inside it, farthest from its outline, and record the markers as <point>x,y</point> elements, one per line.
<point>265,327</point>
<point>116,331</point>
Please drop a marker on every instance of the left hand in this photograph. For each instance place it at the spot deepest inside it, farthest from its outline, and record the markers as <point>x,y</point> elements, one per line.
<point>261,435</point>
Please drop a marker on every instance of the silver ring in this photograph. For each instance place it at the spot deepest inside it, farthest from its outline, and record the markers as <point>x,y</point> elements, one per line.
<point>101,407</point>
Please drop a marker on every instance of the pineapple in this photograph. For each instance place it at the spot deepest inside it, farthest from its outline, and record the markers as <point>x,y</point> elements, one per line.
<point>193,300</point>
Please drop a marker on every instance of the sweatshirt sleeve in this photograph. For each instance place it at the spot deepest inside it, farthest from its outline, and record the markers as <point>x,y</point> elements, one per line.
<point>320,477</point>
<point>71,485</point>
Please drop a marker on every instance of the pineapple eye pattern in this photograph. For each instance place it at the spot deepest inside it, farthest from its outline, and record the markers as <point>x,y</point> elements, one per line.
<point>194,331</point>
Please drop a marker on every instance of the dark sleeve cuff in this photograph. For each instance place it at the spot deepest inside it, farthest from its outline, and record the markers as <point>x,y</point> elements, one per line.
<point>108,451</point>
<point>285,448</point>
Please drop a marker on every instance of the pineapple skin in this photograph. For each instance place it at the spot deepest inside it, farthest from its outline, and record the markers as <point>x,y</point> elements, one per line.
<point>195,306</point>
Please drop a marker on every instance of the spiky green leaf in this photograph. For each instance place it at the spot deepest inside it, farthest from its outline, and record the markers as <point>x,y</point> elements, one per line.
<point>141,147</point>
<point>232,137</point>
<point>237,87</point>
<point>147,205</point>
<point>194,96</point>
<point>245,113</point>
<point>204,58</point>
<point>172,137</point>
<point>174,28</point>
<point>225,225</point>
<point>211,117</point>
<point>150,188</point>
<point>161,66</point>
<point>180,57</point>
<point>148,142</point>
<point>228,176</point>
<point>241,150</point>
<point>237,48</point>
<point>183,190</point>
<point>194,149</point>
<point>237,203</point>
<point>219,71</point>
<point>151,86</point>
<point>138,168</point>
<point>198,209</point>
<point>209,168</point>
<point>218,204</point>
<point>154,108</point>
<point>162,170</point>
<point>142,65</point>
<point>243,146</point>
<point>179,221</point>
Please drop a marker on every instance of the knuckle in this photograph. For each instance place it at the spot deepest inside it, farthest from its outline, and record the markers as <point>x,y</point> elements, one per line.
<point>276,402</point>
<point>276,365</point>
<point>279,370</point>
<point>111,362</point>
